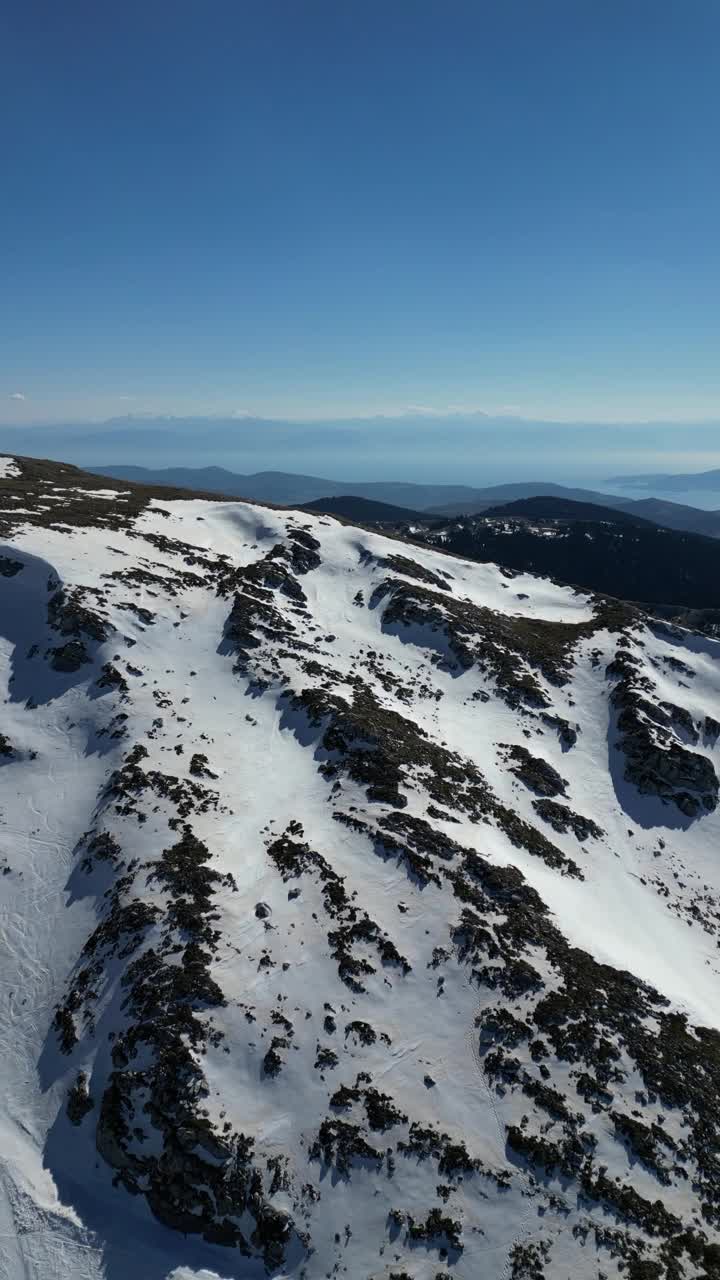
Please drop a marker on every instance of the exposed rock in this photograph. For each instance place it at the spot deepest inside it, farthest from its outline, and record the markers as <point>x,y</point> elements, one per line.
<point>711,728</point>
<point>566,732</point>
<point>111,678</point>
<point>685,778</point>
<point>561,818</point>
<point>656,761</point>
<point>79,1101</point>
<point>9,567</point>
<point>69,657</point>
<point>70,615</point>
<point>537,774</point>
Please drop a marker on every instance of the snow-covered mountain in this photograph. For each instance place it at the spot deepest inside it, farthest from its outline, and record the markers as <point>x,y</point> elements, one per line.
<point>358,909</point>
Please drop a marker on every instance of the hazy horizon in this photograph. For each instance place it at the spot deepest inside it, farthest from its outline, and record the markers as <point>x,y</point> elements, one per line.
<point>449,449</point>
<point>456,449</point>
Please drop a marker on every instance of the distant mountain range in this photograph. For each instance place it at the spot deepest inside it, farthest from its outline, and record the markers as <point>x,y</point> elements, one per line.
<point>467,447</point>
<point>287,489</point>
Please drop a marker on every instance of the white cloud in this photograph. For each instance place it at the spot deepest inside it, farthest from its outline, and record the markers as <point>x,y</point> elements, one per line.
<point>16,395</point>
<point>126,397</point>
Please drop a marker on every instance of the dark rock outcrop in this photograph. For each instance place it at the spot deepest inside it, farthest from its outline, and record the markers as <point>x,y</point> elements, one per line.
<point>656,761</point>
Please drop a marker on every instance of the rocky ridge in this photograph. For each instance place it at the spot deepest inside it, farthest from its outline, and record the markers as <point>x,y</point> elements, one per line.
<point>383,903</point>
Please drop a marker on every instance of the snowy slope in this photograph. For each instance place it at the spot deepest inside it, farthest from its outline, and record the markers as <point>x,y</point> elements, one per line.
<point>358,909</point>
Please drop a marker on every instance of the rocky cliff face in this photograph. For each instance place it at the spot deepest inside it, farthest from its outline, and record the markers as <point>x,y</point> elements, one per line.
<point>360,906</point>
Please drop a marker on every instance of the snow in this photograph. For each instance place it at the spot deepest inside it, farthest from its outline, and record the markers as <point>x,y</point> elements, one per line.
<point>8,468</point>
<point>60,1215</point>
<point>110,494</point>
<point>60,494</point>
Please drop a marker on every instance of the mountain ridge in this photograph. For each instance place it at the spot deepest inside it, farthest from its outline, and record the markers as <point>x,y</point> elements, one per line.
<point>364,510</point>
<point>288,489</point>
<point>361,905</point>
<point>554,507</point>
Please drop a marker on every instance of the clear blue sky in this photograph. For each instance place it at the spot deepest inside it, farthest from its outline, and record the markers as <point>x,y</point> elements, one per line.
<point>332,207</point>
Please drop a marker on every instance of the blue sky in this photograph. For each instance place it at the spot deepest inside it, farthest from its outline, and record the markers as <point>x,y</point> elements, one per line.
<point>331,208</point>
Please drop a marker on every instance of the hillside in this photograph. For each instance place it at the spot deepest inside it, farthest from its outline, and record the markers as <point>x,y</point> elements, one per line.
<point>365,511</point>
<point>494,495</point>
<point>630,558</point>
<point>359,906</point>
<point>558,508</point>
<point>674,515</point>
